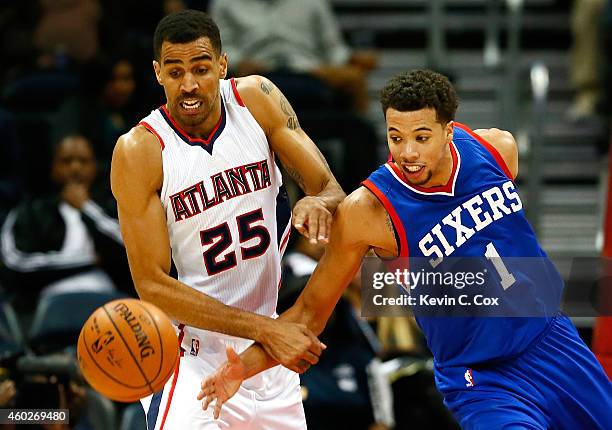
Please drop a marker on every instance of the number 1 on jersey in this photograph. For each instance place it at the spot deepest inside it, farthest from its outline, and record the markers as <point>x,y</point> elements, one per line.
<point>507,278</point>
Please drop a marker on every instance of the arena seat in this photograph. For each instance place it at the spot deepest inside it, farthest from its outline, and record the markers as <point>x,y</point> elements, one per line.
<point>58,319</point>
<point>133,418</point>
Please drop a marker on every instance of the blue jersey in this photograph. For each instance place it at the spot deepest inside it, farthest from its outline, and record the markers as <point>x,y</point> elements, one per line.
<point>477,213</point>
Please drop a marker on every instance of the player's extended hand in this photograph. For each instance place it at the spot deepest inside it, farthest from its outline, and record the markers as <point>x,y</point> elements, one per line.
<point>224,383</point>
<point>292,345</point>
<point>312,219</point>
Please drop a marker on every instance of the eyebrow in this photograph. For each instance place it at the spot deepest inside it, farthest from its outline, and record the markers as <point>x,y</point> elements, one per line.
<point>423,128</point>
<point>193,60</point>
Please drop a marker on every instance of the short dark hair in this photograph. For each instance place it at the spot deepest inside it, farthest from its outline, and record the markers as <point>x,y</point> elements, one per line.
<point>184,27</point>
<point>419,89</point>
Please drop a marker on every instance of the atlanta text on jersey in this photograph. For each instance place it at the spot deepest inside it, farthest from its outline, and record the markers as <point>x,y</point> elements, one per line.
<point>222,186</point>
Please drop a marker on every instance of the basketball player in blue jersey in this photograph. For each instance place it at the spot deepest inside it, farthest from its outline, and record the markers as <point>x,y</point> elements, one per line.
<point>449,191</point>
<point>197,181</point>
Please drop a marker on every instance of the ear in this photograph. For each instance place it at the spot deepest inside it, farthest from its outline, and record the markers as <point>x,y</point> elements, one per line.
<point>450,126</point>
<point>157,69</point>
<point>223,66</point>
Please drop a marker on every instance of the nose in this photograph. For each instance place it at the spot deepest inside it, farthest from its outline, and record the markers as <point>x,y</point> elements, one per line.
<point>189,83</point>
<point>76,165</point>
<point>409,153</point>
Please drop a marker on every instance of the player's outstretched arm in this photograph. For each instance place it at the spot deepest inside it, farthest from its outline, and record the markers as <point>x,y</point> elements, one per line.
<point>359,224</point>
<point>299,155</point>
<point>136,177</point>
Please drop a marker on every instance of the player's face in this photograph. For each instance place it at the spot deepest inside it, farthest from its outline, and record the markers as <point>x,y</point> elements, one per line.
<point>419,146</point>
<point>190,73</point>
<point>74,162</point>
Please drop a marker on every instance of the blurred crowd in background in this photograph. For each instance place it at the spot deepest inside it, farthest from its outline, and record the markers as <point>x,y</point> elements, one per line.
<point>77,74</point>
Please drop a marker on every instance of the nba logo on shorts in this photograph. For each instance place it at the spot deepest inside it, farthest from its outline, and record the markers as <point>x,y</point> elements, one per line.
<point>195,346</point>
<point>469,378</point>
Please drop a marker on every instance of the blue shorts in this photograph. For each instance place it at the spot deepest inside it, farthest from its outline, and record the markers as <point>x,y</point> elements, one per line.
<point>557,383</point>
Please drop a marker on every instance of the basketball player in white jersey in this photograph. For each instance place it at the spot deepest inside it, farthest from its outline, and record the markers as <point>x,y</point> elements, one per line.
<point>197,180</point>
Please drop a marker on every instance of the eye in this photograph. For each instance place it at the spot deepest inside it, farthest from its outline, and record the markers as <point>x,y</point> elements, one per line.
<point>201,70</point>
<point>174,73</point>
<point>422,138</point>
<point>395,139</point>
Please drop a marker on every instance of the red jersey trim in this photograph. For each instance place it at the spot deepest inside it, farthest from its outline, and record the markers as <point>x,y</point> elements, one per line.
<point>236,93</point>
<point>176,374</point>
<point>447,188</point>
<point>152,130</point>
<point>397,222</point>
<point>211,137</point>
<point>494,152</point>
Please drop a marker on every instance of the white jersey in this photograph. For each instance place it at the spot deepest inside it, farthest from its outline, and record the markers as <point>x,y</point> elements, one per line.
<point>228,218</point>
<point>228,221</point>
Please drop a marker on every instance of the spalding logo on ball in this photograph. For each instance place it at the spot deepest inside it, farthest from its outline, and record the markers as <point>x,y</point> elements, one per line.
<point>127,349</point>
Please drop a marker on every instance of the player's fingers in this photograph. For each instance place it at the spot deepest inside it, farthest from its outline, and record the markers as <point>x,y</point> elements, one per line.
<point>206,382</point>
<point>299,220</point>
<point>294,367</point>
<point>201,394</point>
<point>316,347</point>
<point>322,236</point>
<point>217,412</point>
<point>313,228</point>
<point>310,357</point>
<point>208,400</point>
<point>205,391</point>
<point>302,366</point>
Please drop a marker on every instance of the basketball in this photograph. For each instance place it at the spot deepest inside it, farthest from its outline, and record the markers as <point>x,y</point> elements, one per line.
<point>127,349</point>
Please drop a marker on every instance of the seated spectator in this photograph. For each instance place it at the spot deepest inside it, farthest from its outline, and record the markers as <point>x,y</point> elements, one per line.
<point>65,241</point>
<point>11,182</point>
<point>585,58</point>
<point>292,36</point>
<point>104,108</point>
<point>69,28</point>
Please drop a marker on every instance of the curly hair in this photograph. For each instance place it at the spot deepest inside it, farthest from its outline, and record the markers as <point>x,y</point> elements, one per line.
<point>184,27</point>
<point>419,89</point>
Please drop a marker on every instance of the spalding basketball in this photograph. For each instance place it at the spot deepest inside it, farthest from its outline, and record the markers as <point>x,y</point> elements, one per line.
<point>127,349</point>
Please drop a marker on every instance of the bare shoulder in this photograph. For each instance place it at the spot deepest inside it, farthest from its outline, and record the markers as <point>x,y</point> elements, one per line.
<point>254,90</point>
<point>265,101</point>
<point>505,144</point>
<point>139,141</point>
<point>364,219</point>
<point>137,154</point>
<point>248,85</point>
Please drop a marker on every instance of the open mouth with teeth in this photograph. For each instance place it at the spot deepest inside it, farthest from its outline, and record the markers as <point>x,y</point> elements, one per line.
<point>412,172</point>
<point>190,105</point>
<point>413,169</point>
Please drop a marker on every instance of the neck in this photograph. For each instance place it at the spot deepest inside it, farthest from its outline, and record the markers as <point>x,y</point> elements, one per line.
<point>203,129</point>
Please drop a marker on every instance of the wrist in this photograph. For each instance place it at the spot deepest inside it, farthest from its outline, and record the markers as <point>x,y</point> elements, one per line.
<point>255,360</point>
<point>263,330</point>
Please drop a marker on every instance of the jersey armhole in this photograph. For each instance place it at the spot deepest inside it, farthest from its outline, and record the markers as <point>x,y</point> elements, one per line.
<point>152,130</point>
<point>492,150</point>
<point>236,93</point>
<point>398,228</point>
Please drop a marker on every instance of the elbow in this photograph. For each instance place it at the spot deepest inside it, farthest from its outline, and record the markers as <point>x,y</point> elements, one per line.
<point>147,289</point>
